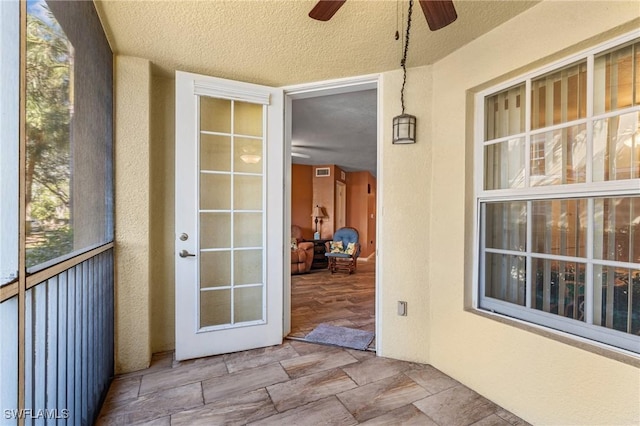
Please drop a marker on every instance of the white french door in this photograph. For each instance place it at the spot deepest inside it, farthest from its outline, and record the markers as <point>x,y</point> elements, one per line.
<point>228,216</point>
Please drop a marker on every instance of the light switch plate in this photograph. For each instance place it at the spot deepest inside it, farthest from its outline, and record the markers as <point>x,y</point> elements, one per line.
<point>402,308</point>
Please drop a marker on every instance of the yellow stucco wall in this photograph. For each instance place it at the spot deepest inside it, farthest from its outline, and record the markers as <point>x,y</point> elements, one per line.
<point>405,220</point>
<point>162,237</point>
<point>425,241</point>
<point>132,308</point>
<point>542,380</point>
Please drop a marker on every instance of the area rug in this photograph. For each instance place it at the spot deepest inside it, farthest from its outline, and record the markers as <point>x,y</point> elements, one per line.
<point>340,336</point>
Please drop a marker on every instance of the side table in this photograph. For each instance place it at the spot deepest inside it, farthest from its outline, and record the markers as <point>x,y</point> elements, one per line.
<point>319,259</point>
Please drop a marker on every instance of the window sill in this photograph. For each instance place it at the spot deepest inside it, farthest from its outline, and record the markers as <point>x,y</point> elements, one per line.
<point>601,349</point>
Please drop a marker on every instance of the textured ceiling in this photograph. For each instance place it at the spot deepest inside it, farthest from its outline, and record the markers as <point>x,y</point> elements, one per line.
<point>274,42</point>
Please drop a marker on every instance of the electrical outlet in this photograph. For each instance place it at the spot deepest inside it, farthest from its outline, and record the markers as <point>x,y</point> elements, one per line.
<point>402,308</point>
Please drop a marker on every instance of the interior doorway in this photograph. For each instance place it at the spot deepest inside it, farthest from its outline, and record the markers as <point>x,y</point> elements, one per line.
<point>323,122</point>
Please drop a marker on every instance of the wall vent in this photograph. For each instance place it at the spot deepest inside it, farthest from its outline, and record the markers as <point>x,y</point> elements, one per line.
<point>323,172</point>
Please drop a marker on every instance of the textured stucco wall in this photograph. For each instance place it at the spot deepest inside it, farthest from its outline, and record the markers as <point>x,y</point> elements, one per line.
<point>132,316</point>
<point>404,185</point>
<point>162,238</point>
<point>542,380</point>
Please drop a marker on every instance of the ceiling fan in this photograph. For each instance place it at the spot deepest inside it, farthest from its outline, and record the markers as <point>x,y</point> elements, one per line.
<point>439,13</point>
<point>306,147</point>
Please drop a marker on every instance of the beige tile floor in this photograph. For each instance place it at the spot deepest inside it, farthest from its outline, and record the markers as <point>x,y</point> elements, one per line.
<point>296,383</point>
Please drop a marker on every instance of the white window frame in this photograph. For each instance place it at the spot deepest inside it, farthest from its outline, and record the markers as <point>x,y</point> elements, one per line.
<point>588,190</point>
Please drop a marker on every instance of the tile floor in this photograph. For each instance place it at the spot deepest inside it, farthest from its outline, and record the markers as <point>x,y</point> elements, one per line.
<point>296,383</point>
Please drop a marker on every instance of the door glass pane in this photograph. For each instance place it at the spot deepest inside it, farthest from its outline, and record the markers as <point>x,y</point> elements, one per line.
<point>247,267</point>
<point>248,155</point>
<point>231,212</point>
<point>215,115</point>
<point>247,230</point>
<point>9,138</point>
<point>247,119</point>
<point>247,192</point>
<point>215,307</point>
<point>215,191</point>
<point>247,304</point>
<point>215,230</point>
<point>215,153</point>
<point>215,269</point>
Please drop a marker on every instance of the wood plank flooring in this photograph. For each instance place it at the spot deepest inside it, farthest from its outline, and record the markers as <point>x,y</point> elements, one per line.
<point>338,299</point>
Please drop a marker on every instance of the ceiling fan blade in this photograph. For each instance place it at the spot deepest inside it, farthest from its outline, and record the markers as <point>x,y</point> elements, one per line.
<point>325,9</point>
<point>439,13</point>
<point>297,154</point>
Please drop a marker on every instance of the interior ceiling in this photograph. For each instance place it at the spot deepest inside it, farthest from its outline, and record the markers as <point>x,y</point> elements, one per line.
<point>336,129</point>
<point>274,42</point>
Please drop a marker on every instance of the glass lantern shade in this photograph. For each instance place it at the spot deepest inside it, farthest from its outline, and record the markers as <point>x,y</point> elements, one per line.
<point>404,129</point>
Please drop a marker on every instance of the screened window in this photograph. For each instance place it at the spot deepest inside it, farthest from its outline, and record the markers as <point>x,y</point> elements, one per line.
<point>68,137</point>
<point>9,139</point>
<point>559,196</point>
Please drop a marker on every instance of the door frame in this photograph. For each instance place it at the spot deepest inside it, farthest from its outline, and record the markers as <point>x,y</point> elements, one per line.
<point>325,88</point>
<point>341,204</point>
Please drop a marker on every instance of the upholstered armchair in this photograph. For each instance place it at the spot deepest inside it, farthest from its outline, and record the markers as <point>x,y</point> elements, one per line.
<point>343,251</point>
<point>301,252</point>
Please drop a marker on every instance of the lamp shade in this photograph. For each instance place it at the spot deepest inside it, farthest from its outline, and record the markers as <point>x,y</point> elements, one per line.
<point>404,129</point>
<point>317,211</point>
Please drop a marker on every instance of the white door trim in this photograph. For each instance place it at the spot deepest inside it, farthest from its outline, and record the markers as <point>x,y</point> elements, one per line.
<point>325,88</point>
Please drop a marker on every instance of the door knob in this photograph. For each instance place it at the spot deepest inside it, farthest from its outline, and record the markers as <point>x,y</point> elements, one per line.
<point>184,253</point>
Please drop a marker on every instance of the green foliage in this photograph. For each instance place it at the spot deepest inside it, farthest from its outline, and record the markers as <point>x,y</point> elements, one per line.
<point>49,114</point>
<point>54,243</point>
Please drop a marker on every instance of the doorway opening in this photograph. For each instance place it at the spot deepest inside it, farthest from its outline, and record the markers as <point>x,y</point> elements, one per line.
<point>331,139</point>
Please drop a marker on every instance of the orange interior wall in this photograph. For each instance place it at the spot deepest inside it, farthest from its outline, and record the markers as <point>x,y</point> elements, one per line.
<point>361,209</point>
<point>302,199</point>
<point>307,191</point>
<point>324,195</point>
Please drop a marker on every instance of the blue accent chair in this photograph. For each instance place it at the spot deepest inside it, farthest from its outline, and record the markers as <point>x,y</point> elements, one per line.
<point>340,259</point>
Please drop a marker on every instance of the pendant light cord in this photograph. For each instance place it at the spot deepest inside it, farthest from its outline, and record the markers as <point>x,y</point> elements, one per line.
<point>403,63</point>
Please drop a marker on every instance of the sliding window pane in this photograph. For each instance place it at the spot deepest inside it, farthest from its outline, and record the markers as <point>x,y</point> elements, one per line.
<point>505,113</point>
<point>69,175</point>
<point>617,229</point>
<point>559,97</point>
<point>505,277</point>
<point>9,138</point>
<point>614,77</point>
<point>559,227</point>
<point>506,225</point>
<point>617,298</point>
<point>504,164</point>
<point>559,157</point>
<point>616,148</point>
<point>559,287</point>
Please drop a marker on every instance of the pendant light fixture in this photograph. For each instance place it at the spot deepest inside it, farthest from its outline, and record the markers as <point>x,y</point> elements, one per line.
<point>404,125</point>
